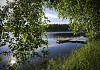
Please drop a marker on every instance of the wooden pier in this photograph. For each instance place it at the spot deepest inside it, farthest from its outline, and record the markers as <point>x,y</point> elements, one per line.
<point>71,40</point>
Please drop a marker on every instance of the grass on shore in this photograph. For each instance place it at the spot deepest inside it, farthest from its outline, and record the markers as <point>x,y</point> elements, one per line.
<point>86,58</point>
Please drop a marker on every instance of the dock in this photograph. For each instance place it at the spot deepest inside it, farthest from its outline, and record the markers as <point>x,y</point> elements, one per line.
<point>71,40</point>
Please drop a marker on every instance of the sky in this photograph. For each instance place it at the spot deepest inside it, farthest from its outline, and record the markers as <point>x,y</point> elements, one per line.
<point>53,17</point>
<point>3,2</point>
<point>51,14</point>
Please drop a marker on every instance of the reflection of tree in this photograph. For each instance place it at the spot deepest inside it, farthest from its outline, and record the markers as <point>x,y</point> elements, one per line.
<point>63,35</point>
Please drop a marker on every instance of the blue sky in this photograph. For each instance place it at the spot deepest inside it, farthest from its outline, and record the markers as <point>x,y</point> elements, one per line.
<point>53,17</point>
<point>51,14</point>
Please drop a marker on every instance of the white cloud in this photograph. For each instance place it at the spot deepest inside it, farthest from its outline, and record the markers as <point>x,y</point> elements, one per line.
<point>50,15</point>
<point>3,2</point>
<point>59,22</point>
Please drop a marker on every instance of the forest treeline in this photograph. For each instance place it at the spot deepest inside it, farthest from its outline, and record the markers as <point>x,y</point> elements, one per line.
<point>58,27</point>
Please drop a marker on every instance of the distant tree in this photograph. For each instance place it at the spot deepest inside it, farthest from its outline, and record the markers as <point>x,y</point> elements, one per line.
<point>58,27</point>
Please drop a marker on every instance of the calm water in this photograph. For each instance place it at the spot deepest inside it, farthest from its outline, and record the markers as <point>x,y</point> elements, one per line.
<point>63,48</point>
<point>54,48</point>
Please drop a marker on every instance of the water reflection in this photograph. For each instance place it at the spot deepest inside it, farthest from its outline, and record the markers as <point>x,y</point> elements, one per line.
<point>13,61</point>
<point>61,34</point>
<point>54,48</point>
<point>54,36</point>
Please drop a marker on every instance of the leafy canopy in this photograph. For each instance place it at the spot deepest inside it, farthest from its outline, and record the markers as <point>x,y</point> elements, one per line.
<point>22,28</point>
<point>23,23</point>
<point>84,15</point>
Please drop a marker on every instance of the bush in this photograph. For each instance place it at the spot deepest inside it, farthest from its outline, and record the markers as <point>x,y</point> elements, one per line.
<point>86,58</point>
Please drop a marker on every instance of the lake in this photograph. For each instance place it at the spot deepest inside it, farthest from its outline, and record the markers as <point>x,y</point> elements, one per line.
<point>54,48</point>
<point>63,48</point>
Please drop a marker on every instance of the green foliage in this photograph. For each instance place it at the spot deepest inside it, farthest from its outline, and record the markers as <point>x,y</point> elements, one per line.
<point>0,59</point>
<point>24,28</point>
<point>84,15</point>
<point>86,58</point>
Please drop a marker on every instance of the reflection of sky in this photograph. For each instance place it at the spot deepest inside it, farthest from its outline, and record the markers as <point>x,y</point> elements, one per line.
<point>13,61</point>
<point>54,48</point>
<point>51,14</point>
